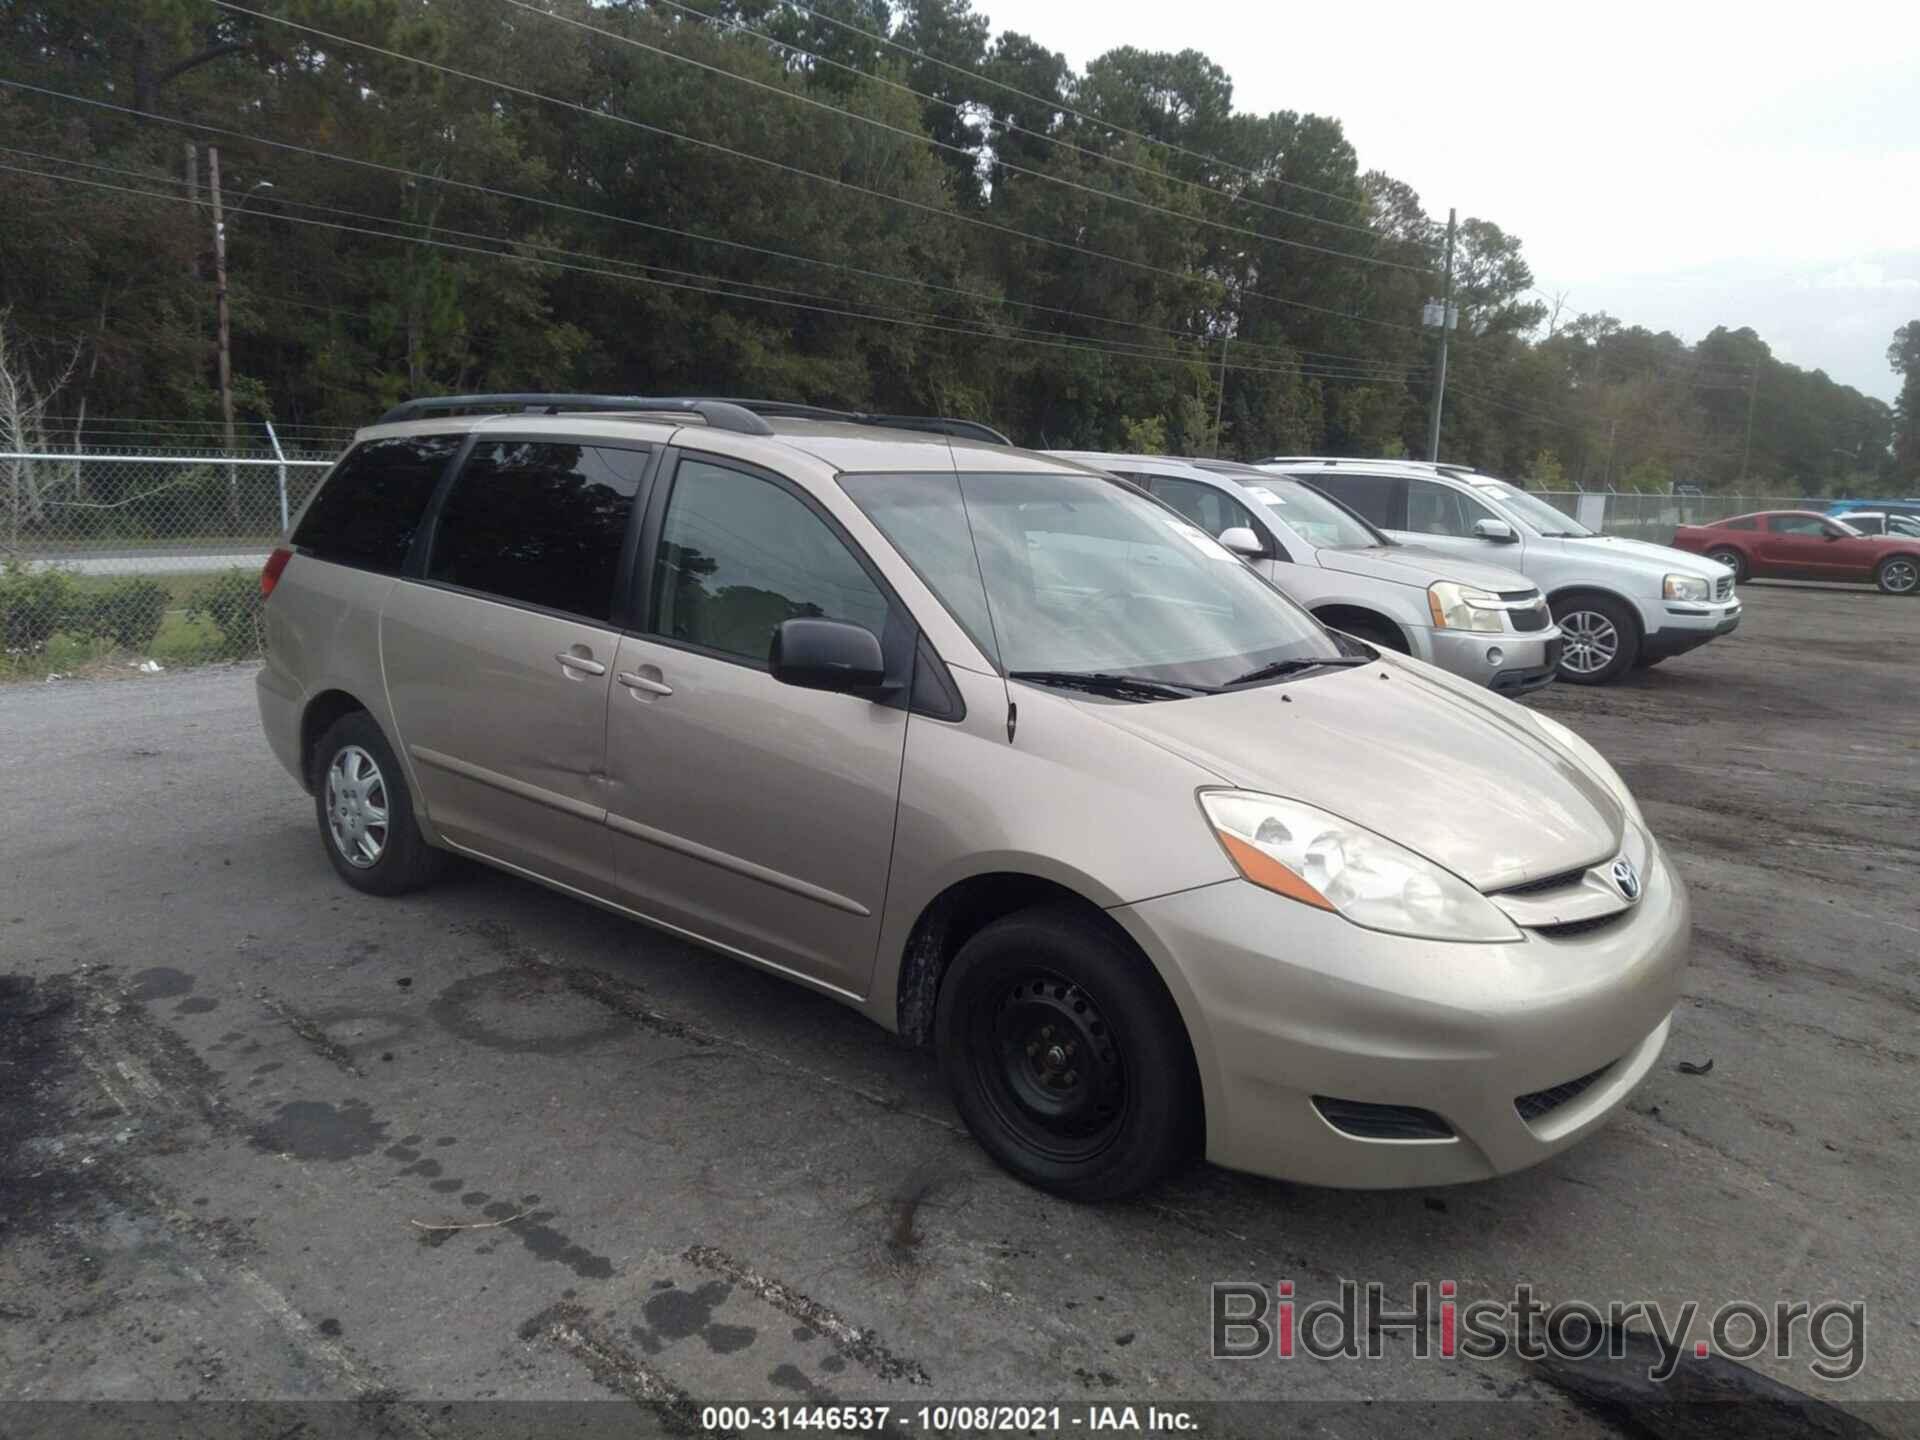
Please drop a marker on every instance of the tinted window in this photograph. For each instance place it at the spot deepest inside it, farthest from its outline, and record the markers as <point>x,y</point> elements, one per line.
<point>1798,525</point>
<point>368,509</point>
<point>738,555</point>
<point>1740,525</point>
<point>541,524</point>
<point>1205,506</point>
<point>1379,498</point>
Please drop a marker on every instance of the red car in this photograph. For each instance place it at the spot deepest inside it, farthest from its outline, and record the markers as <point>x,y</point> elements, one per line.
<point>1801,545</point>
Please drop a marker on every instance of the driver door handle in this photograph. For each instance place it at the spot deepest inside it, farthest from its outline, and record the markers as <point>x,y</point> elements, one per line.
<point>641,682</point>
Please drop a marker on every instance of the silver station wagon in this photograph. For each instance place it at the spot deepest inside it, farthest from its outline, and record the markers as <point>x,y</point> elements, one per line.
<point>997,750</point>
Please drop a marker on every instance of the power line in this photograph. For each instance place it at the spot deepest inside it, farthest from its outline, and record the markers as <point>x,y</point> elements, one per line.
<point>780,165</point>
<point>991,121</point>
<point>919,138</point>
<point>694,235</point>
<point>1382,369</point>
<point>1083,347</point>
<point>1063,107</point>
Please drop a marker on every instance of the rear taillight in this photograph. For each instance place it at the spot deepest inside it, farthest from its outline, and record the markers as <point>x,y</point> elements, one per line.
<point>270,572</point>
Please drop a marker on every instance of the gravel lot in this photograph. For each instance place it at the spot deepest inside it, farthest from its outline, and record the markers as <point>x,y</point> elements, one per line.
<point>236,1093</point>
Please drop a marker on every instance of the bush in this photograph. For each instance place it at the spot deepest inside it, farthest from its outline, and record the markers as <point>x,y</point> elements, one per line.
<point>232,602</point>
<point>128,612</point>
<point>33,605</point>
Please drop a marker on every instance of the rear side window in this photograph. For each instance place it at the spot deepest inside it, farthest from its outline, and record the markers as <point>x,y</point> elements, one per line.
<point>1739,525</point>
<point>370,506</point>
<point>1380,498</point>
<point>539,524</point>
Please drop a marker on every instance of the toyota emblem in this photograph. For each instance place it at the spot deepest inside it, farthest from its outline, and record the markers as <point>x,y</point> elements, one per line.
<point>1626,878</point>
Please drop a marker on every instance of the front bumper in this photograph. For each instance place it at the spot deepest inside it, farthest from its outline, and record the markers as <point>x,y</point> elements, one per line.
<point>1675,627</point>
<point>1527,661</point>
<point>1286,1003</point>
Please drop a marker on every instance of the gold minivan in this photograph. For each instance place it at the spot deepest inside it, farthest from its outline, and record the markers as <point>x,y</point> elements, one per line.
<point>994,748</point>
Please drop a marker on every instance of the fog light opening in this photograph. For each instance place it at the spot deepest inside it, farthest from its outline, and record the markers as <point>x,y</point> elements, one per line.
<point>1495,655</point>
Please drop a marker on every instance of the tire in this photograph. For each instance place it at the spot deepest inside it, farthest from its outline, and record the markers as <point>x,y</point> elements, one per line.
<point>1066,1056</point>
<point>1602,638</point>
<point>356,780</point>
<point>1731,558</point>
<point>1898,575</point>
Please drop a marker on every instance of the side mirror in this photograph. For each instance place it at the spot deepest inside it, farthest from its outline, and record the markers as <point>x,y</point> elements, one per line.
<point>1497,531</point>
<point>826,655</point>
<point>1242,541</point>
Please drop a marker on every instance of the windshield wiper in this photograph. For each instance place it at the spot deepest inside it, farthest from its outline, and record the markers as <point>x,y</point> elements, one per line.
<point>1099,682</point>
<point>1294,667</point>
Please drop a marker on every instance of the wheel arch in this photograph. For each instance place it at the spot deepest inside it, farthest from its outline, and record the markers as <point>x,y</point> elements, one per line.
<point>967,906</point>
<point>1568,592</point>
<point>1744,568</point>
<point>1341,615</point>
<point>319,714</point>
<point>1913,555</point>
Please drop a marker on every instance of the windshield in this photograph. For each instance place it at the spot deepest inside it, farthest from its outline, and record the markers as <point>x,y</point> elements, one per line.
<point>1320,521</point>
<point>1073,574</point>
<point>1843,526</point>
<point>1533,512</point>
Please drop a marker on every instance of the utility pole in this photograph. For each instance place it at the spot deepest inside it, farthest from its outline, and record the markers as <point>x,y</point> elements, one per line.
<point>1446,324</point>
<point>1753,389</point>
<point>225,326</point>
<point>1220,395</point>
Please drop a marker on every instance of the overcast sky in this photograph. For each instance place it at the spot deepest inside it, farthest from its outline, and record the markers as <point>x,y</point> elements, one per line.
<point>1681,165</point>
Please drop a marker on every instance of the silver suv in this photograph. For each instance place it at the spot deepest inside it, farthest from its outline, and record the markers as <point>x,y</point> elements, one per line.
<point>1619,602</point>
<point>994,749</point>
<point>1483,623</point>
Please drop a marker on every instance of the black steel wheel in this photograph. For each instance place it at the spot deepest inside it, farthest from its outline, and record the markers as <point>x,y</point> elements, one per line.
<point>1066,1056</point>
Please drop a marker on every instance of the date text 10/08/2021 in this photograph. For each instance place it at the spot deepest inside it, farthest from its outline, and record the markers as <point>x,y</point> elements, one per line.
<point>947,1419</point>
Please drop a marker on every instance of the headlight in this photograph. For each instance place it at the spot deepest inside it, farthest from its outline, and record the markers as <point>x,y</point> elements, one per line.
<point>1686,587</point>
<point>1594,761</point>
<point>1333,864</point>
<point>1461,607</point>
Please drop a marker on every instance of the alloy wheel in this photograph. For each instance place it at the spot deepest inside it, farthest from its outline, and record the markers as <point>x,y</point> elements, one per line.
<point>356,795</point>
<point>1900,576</point>
<point>1592,642</point>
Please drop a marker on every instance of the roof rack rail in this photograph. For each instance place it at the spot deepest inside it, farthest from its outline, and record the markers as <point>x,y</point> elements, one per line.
<point>932,424</point>
<point>743,416</point>
<point>720,414</point>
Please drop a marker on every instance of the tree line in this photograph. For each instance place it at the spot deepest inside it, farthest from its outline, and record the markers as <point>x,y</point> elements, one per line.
<point>850,203</point>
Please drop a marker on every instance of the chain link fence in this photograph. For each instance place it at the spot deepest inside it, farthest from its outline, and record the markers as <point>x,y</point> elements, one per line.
<point>149,557</point>
<point>132,557</point>
<point>1655,517</point>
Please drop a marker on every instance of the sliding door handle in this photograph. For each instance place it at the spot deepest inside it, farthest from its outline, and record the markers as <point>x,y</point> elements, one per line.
<point>643,683</point>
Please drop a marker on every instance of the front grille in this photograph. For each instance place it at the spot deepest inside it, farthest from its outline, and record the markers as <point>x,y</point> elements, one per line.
<point>1723,588</point>
<point>1517,594</point>
<point>1550,882</point>
<point>1535,618</point>
<point>1365,1121</point>
<point>1540,1102</point>
<point>1587,926</point>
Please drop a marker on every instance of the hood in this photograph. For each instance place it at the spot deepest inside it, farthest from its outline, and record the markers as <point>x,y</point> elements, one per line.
<point>1679,562</point>
<point>1410,565</point>
<point>1461,776</point>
